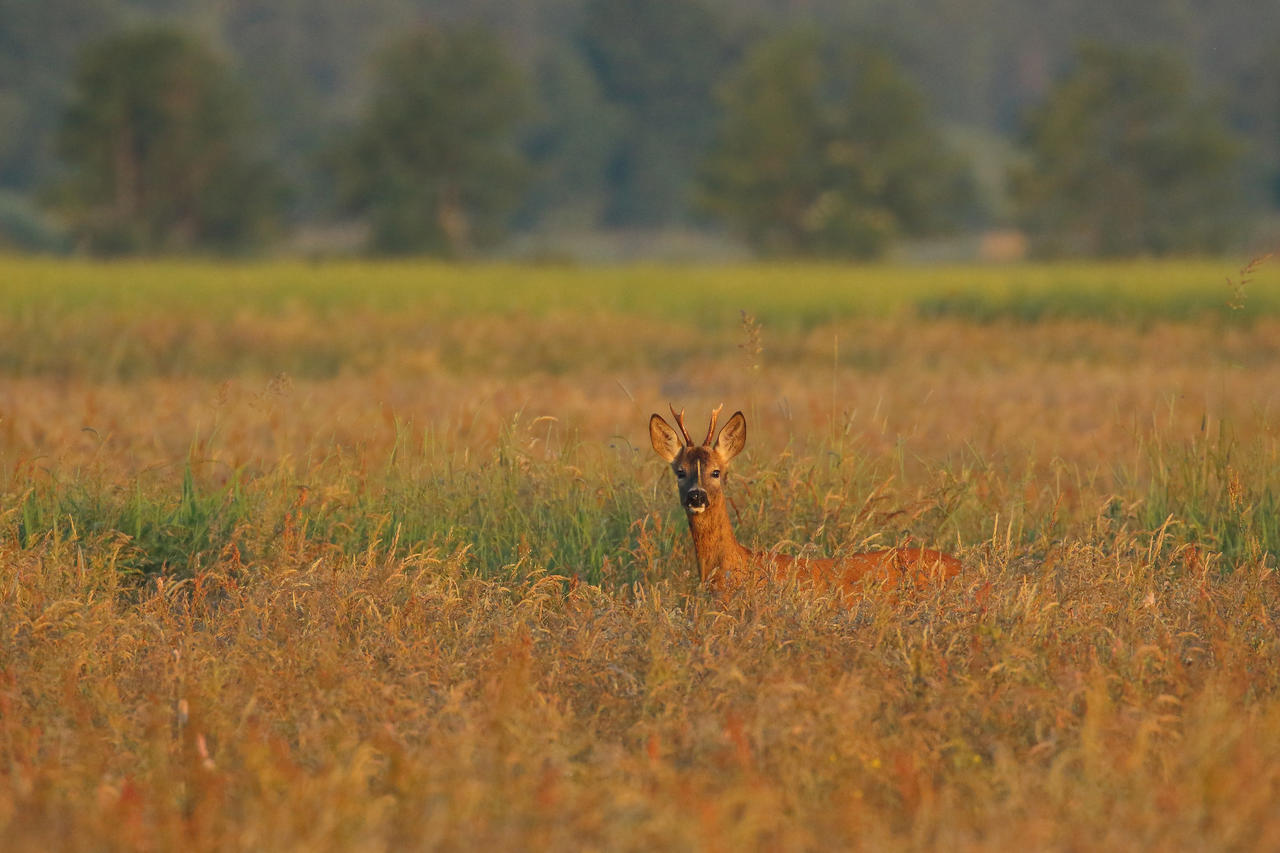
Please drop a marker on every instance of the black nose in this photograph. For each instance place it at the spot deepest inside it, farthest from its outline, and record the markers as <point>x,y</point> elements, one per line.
<point>695,498</point>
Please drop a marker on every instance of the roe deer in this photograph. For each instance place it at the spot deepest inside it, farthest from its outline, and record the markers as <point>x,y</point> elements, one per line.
<point>724,565</point>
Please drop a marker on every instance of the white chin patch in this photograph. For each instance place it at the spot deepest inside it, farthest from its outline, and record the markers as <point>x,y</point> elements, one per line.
<point>694,510</point>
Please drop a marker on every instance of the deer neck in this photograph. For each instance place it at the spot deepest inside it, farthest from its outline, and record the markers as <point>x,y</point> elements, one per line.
<point>721,560</point>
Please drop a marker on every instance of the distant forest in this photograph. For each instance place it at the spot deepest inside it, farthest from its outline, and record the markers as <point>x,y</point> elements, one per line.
<point>619,118</point>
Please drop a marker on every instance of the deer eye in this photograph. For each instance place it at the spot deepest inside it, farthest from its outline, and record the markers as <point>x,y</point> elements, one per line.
<point>680,473</point>
<point>715,475</point>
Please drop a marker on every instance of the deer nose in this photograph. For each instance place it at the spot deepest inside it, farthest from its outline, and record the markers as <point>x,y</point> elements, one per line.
<point>695,498</point>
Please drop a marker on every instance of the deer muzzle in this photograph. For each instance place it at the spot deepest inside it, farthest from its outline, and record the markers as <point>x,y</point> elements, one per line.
<point>695,500</point>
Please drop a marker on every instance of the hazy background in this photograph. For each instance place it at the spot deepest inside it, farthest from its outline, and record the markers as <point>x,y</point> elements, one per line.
<point>605,129</point>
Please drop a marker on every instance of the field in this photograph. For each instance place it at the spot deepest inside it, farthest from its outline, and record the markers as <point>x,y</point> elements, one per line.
<point>376,557</point>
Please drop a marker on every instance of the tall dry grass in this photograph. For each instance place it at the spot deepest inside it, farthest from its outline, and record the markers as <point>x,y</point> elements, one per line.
<point>431,590</point>
<point>325,700</point>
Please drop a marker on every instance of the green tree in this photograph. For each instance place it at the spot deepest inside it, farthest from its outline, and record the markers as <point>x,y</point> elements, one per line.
<point>39,43</point>
<point>569,145</point>
<point>657,63</point>
<point>158,147</point>
<point>827,150</point>
<point>435,162</point>
<point>1122,158</point>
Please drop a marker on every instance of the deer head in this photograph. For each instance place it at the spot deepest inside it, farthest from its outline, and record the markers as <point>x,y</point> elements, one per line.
<point>699,469</point>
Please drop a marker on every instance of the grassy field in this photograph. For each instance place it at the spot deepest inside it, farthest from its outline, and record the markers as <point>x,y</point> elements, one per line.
<point>377,557</point>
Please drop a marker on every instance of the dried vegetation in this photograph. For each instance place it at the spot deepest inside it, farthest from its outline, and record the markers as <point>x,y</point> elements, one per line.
<point>387,564</point>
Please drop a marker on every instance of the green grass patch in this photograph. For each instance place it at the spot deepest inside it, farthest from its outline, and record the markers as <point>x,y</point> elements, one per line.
<point>1215,494</point>
<point>130,320</point>
<point>147,532</point>
<point>514,511</point>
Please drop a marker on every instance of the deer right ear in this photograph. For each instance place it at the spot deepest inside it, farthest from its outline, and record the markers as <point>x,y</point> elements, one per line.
<point>666,443</point>
<point>733,437</point>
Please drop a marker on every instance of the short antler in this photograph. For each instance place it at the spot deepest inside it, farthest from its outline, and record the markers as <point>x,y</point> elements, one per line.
<point>711,430</point>
<point>679,416</point>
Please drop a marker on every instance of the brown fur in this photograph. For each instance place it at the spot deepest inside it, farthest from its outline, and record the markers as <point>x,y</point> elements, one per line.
<point>725,565</point>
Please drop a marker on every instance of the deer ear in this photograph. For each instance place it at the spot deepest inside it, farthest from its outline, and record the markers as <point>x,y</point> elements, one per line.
<point>733,437</point>
<point>665,441</point>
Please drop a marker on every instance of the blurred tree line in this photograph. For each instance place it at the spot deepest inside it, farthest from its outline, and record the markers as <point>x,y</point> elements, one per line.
<point>824,127</point>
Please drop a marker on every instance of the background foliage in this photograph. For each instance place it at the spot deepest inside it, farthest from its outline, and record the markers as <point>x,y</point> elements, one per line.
<point>623,94</point>
<point>434,160</point>
<point>158,152</point>
<point>825,149</point>
<point>1124,159</point>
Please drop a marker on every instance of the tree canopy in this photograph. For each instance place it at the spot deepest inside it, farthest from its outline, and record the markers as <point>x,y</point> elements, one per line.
<point>435,161</point>
<point>1124,158</point>
<point>657,63</point>
<point>157,140</point>
<point>827,150</point>
<point>623,110</point>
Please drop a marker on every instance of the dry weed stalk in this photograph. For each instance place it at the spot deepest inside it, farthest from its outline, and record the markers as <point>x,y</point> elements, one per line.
<point>1238,285</point>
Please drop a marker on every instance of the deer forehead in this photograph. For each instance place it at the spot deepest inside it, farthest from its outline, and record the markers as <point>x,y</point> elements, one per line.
<point>702,457</point>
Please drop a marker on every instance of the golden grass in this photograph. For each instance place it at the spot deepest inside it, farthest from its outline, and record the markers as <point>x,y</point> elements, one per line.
<point>408,576</point>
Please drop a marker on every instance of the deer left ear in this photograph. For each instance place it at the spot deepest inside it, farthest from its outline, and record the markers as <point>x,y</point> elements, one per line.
<point>733,437</point>
<point>665,441</point>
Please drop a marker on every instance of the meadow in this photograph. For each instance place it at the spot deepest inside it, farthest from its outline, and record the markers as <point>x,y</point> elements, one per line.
<point>376,556</point>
